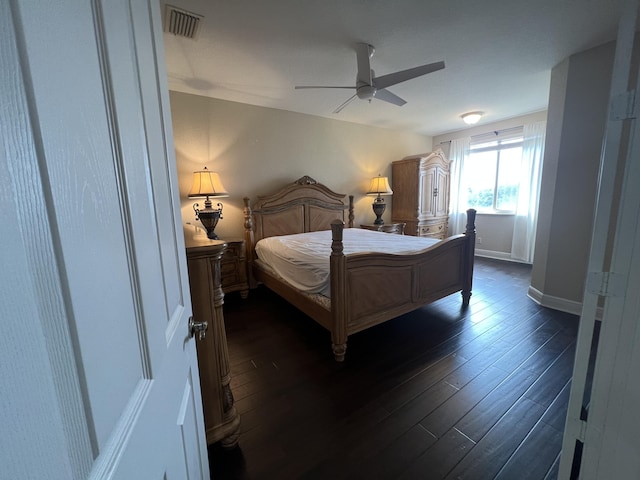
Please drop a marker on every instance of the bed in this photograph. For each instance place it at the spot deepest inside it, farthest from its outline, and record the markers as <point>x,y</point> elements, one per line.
<point>365,289</point>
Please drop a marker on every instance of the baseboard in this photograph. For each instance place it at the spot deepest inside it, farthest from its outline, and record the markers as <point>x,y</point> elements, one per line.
<point>496,255</point>
<point>549,301</point>
<point>557,303</point>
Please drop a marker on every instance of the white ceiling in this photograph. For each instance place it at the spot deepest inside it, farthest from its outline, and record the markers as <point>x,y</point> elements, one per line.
<point>498,54</point>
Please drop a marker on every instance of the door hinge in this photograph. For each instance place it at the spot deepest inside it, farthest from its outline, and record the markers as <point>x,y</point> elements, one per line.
<point>623,106</point>
<point>576,428</point>
<point>606,284</point>
<point>582,433</point>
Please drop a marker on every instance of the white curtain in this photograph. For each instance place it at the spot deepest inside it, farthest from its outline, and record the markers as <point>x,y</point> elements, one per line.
<point>524,230</point>
<point>458,154</point>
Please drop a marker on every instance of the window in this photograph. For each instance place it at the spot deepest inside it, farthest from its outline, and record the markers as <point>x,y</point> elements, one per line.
<point>492,171</point>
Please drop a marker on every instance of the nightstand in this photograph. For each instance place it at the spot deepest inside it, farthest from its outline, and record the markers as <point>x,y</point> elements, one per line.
<point>233,267</point>
<point>397,228</point>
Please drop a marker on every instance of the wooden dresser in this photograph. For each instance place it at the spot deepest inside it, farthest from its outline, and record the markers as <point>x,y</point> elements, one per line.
<point>221,419</point>
<point>420,187</point>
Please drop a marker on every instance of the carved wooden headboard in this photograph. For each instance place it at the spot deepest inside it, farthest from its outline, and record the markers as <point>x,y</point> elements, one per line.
<point>302,206</point>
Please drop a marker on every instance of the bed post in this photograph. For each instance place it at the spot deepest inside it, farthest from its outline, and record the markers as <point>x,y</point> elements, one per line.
<point>248,240</point>
<point>338,300</point>
<point>351,216</point>
<point>470,233</point>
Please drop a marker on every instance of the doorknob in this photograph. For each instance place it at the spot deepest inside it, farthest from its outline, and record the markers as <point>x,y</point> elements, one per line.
<point>198,327</point>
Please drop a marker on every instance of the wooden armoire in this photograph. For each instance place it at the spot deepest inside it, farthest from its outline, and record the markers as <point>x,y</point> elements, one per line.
<point>420,185</point>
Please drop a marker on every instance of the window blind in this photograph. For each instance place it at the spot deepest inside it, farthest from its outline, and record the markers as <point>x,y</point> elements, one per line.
<point>497,140</point>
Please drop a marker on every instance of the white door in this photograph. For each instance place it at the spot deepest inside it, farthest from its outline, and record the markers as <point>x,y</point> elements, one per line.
<point>99,372</point>
<point>601,438</point>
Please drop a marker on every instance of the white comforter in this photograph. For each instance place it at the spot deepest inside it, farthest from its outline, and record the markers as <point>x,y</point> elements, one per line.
<point>303,259</point>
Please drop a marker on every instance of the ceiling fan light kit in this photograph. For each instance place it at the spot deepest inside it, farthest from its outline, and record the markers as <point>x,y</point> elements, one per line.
<point>368,86</point>
<point>471,118</point>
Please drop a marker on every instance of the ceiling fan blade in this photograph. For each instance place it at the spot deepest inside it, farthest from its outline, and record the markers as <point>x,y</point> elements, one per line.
<point>387,96</point>
<point>300,87</point>
<point>364,52</point>
<point>339,109</point>
<point>402,76</point>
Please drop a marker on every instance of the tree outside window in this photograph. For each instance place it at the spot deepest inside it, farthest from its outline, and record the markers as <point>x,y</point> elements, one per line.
<point>492,175</point>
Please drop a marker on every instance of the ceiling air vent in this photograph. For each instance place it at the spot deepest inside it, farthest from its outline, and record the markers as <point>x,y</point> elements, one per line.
<point>180,22</point>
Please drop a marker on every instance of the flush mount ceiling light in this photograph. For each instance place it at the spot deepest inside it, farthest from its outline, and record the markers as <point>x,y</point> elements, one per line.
<point>471,118</point>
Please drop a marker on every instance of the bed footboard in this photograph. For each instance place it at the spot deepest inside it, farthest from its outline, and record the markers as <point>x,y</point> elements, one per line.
<point>368,289</point>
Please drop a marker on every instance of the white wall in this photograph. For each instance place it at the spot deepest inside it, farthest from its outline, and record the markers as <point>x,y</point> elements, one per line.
<point>495,232</point>
<point>575,128</point>
<point>258,150</point>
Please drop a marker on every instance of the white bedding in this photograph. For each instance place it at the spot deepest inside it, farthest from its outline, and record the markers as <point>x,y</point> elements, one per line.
<point>303,259</point>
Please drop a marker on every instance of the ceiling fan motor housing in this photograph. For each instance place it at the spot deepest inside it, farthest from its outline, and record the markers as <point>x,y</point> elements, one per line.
<point>366,92</point>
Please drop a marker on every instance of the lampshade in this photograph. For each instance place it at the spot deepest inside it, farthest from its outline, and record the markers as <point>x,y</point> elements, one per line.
<point>379,186</point>
<point>471,118</point>
<point>207,184</point>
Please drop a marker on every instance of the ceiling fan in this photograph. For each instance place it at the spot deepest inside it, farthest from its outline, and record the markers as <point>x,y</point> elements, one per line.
<point>369,86</point>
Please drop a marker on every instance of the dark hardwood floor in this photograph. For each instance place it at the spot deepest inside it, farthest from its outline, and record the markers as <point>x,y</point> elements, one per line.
<point>437,393</point>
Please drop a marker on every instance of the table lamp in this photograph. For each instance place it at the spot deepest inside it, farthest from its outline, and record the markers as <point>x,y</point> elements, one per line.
<point>379,186</point>
<point>207,184</point>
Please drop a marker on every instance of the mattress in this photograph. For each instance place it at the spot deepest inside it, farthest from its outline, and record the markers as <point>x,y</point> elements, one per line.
<point>302,260</point>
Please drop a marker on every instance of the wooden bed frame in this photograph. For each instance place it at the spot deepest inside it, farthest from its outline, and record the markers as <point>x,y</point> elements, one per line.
<point>366,289</point>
